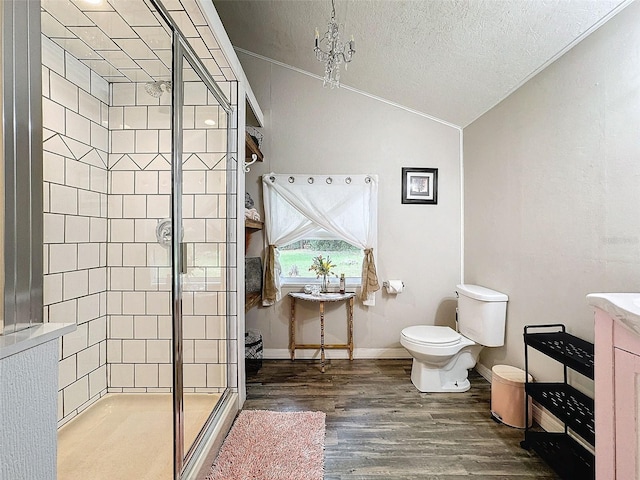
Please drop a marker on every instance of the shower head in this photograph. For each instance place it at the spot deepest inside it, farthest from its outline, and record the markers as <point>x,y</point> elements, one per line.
<point>155,89</point>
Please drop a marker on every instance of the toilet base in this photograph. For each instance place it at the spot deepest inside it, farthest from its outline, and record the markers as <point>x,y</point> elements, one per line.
<point>450,378</point>
<point>459,386</point>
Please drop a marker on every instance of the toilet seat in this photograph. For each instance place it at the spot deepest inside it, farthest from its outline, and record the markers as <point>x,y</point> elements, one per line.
<point>431,335</point>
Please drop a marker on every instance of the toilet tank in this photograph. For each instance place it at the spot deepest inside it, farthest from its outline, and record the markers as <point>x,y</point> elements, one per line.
<point>482,314</point>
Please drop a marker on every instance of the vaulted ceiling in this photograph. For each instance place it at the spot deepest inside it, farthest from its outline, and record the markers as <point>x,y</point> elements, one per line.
<point>452,59</point>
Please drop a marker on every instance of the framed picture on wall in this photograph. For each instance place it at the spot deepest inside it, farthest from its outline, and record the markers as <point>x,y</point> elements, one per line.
<point>420,185</point>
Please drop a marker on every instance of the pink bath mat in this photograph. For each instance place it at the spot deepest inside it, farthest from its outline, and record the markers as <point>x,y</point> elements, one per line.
<point>265,445</point>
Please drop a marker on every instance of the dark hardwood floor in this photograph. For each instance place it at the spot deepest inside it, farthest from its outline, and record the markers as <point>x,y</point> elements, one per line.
<point>380,427</point>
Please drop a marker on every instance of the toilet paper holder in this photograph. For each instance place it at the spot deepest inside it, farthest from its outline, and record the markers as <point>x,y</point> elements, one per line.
<point>385,284</point>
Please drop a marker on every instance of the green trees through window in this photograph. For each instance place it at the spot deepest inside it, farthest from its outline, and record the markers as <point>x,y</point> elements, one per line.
<point>297,257</point>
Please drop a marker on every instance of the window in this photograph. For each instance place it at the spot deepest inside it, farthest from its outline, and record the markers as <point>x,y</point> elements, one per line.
<point>300,209</point>
<point>296,258</point>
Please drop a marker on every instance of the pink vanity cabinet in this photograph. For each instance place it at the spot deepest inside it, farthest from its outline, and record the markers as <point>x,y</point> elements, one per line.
<point>617,384</point>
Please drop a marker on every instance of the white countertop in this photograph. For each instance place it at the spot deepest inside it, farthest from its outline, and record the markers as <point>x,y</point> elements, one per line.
<point>22,340</point>
<point>624,307</point>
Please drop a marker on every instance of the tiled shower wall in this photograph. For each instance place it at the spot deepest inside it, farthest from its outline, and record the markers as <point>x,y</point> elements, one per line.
<point>76,142</point>
<point>139,277</point>
<point>107,181</point>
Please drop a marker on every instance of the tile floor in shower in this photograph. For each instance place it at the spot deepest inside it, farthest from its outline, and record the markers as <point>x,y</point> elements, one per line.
<point>128,436</point>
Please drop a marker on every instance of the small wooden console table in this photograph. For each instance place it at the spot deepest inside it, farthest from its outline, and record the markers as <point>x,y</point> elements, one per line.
<point>321,299</point>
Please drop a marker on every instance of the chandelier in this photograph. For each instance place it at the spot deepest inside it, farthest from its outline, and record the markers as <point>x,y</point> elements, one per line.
<point>332,52</point>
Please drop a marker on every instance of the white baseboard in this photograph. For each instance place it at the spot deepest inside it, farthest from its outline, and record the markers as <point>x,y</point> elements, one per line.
<point>484,371</point>
<point>283,353</point>
<point>540,416</point>
<point>547,421</point>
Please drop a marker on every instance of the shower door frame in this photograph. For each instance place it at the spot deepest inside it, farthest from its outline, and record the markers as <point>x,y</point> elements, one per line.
<point>181,50</point>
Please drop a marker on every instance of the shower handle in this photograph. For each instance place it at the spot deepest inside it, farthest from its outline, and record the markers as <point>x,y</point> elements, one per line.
<point>183,257</point>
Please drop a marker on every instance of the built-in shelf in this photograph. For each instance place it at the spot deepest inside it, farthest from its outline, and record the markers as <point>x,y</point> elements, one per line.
<point>251,147</point>
<point>253,225</point>
<point>251,299</point>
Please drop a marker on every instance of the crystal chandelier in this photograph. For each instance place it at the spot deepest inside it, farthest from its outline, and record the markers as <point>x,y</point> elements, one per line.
<point>330,50</point>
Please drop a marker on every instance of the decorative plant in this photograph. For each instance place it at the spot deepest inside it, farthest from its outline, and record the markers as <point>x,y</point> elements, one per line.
<point>322,268</point>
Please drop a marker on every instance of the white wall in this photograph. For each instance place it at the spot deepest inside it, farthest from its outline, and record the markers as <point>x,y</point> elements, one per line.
<point>28,412</point>
<point>311,129</point>
<point>552,188</point>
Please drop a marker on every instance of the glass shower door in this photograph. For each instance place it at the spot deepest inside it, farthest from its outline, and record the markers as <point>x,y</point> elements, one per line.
<point>201,246</point>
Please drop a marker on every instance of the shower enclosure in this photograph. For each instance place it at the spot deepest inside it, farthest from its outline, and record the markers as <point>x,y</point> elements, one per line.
<point>139,137</point>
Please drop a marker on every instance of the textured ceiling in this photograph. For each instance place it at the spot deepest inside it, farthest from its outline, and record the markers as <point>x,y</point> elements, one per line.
<point>452,59</point>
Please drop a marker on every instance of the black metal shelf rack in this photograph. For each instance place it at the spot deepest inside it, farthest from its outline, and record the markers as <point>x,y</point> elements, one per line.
<point>575,409</point>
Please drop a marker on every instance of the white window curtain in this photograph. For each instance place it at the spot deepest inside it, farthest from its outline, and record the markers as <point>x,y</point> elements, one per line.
<point>316,206</point>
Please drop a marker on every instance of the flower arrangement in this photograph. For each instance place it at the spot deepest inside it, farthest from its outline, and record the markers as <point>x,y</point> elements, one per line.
<point>322,268</point>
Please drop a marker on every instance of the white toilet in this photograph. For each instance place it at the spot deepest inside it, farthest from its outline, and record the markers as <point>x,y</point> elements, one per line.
<point>442,356</point>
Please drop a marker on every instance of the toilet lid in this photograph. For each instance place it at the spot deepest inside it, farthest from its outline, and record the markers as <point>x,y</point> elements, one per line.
<point>432,335</point>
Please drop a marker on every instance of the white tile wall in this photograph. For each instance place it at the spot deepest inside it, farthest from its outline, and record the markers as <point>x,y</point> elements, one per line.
<point>146,375</point>
<point>146,279</point>
<point>121,230</point>
<point>98,380</point>
<point>134,254</point>
<point>120,326</point>
<point>123,94</point>
<point>100,136</point>
<point>79,74</point>
<point>53,116</point>
<point>89,308</point>
<point>76,229</point>
<point>103,266</point>
<point>97,280</point>
<point>75,395</point>
<point>53,167</point>
<point>89,256</point>
<point>89,203</point>
<point>62,311</point>
<point>134,351</point>
<point>63,91</point>
<point>134,303</point>
<point>158,351</point>
<point>88,360</point>
<point>75,284</point>
<point>74,180</point>
<point>146,141</point>
<point>66,372</point>
<point>135,117</point>
<point>139,187</point>
<point>122,141</point>
<point>63,199</point>
<point>78,127</point>
<point>63,257</point>
<point>120,375</point>
<point>89,106</point>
